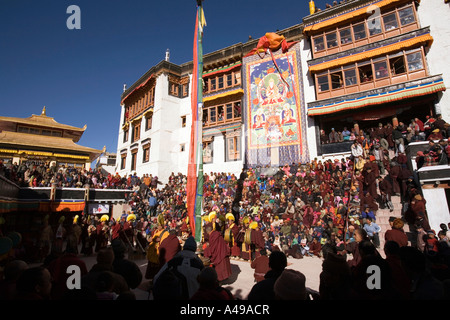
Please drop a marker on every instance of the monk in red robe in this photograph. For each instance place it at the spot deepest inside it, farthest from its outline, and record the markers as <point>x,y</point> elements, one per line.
<point>169,247</point>
<point>218,252</point>
<point>257,239</point>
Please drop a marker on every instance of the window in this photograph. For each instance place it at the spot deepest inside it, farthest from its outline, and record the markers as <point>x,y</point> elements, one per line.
<point>146,153</point>
<point>237,78</point>
<point>406,16</point>
<point>123,161</point>
<point>229,111</point>
<point>212,84</point>
<point>390,21</point>
<point>374,26</point>
<point>148,122</point>
<point>212,115</point>
<point>233,148</point>
<point>414,61</point>
<point>336,80</point>
<point>185,89</point>
<point>318,43</point>
<point>133,159</point>
<point>183,121</point>
<point>207,152</point>
<point>173,89</point>
<point>346,36</point>
<point>220,115</point>
<point>220,83</point>
<point>125,135</point>
<point>43,132</point>
<point>136,132</point>
<point>397,64</point>
<point>359,31</point>
<point>380,69</point>
<point>182,147</point>
<point>365,72</point>
<point>237,109</point>
<point>229,80</point>
<point>322,83</point>
<point>331,40</point>
<point>23,129</point>
<point>350,77</point>
<point>205,117</point>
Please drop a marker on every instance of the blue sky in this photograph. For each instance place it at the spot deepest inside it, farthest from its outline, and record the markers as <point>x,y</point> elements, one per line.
<point>79,74</point>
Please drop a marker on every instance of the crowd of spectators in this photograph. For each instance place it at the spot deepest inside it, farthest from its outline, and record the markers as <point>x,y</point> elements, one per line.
<point>397,134</point>
<point>326,209</point>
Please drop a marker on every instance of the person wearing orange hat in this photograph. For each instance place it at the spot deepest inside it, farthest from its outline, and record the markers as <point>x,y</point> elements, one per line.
<point>396,233</point>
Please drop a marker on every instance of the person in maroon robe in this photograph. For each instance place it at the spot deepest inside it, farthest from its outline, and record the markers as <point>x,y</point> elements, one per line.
<point>394,173</point>
<point>218,252</point>
<point>258,242</point>
<point>115,230</point>
<point>308,216</point>
<point>368,201</point>
<point>396,233</point>
<point>418,209</point>
<point>261,266</point>
<point>385,186</point>
<point>370,183</point>
<point>169,247</point>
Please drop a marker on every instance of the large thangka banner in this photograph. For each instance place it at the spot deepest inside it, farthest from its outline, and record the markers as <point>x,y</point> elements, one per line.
<point>274,110</point>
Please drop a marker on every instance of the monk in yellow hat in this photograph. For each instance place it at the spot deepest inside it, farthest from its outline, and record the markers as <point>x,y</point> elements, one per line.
<point>232,232</point>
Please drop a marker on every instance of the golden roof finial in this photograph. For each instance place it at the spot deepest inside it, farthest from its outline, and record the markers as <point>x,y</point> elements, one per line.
<point>43,113</point>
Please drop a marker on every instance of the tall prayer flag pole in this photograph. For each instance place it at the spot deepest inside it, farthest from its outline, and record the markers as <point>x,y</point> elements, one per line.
<point>195,166</point>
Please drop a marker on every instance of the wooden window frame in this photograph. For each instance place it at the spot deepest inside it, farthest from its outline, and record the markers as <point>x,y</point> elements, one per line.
<point>318,86</point>
<point>123,161</point>
<point>212,84</point>
<point>134,153</point>
<point>383,73</point>
<point>183,121</point>
<point>146,153</point>
<point>208,111</point>
<point>174,89</point>
<point>236,153</point>
<point>335,32</point>
<point>323,43</point>
<point>365,31</point>
<point>346,69</point>
<point>383,16</point>
<point>410,52</point>
<point>209,142</point>
<point>38,131</point>
<point>370,36</point>
<point>148,122</point>
<point>341,77</point>
<point>136,132</point>
<point>185,90</point>
<point>370,67</point>
<point>126,133</point>
<point>349,28</point>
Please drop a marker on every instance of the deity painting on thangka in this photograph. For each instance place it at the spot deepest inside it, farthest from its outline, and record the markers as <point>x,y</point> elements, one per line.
<point>273,107</point>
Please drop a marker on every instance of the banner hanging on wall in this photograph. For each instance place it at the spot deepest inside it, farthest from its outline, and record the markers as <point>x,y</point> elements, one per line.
<point>275,110</point>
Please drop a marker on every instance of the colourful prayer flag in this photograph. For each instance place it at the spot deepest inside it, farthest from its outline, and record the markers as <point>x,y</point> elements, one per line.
<point>195,166</point>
